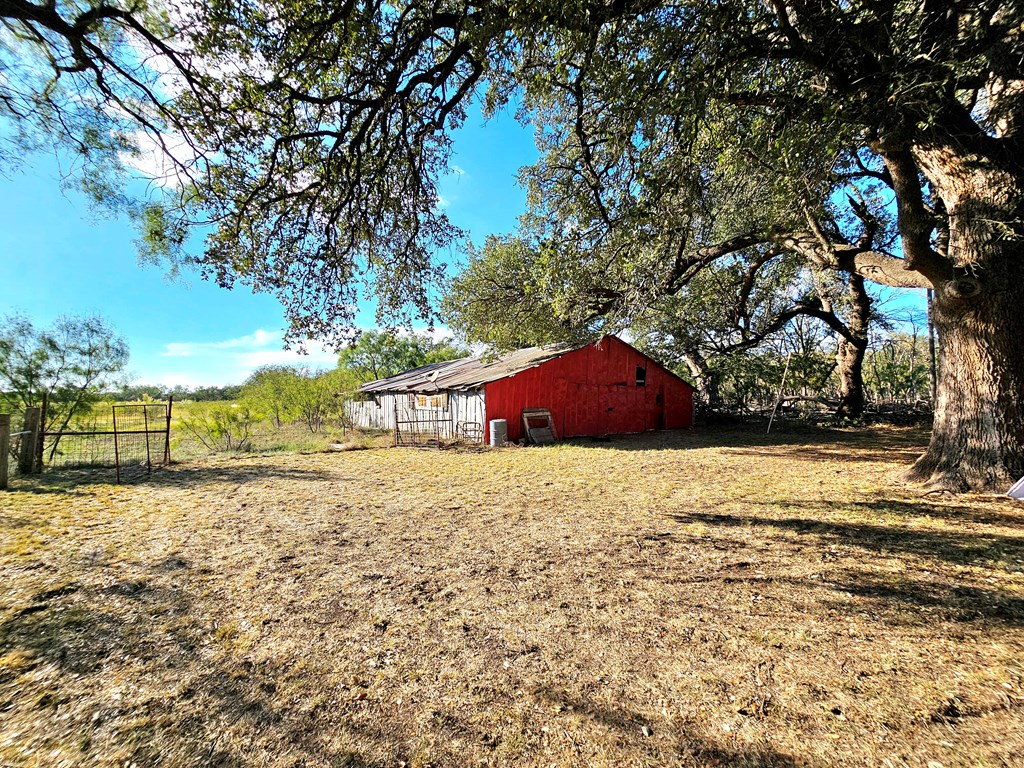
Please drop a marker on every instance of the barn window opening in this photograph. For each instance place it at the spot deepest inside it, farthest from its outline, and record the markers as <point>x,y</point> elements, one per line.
<point>641,376</point>
<point>432,401</point>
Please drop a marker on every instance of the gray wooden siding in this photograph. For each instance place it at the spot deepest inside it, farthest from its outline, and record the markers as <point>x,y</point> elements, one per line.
<point>463,407</point>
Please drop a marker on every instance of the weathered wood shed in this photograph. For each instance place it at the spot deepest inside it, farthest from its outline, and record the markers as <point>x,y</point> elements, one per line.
<point>604,388</point>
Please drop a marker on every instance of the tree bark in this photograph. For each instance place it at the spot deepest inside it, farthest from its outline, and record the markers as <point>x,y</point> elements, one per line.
<point>977,438</point>
<point>851,349</point>
<point>705,380</point>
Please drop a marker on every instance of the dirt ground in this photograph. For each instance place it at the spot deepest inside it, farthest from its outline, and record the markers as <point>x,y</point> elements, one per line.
<point>699,598</point>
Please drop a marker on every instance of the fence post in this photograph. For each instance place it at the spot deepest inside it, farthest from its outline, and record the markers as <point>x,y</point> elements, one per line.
<point>167,435</point>
<point>41,436</point>
<point>27,456</point>
<point>5,447</point>
<point>117,455</point>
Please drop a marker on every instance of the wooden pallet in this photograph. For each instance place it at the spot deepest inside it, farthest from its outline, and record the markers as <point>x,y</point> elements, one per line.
<point>538,426</point>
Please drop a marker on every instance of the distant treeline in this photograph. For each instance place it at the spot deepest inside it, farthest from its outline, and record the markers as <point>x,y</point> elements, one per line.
<point>179,392</point>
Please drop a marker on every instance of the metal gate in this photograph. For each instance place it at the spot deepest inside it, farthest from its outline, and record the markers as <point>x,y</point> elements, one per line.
<point>130,438</point>
<point>423,427</point>
<point>140,432</point>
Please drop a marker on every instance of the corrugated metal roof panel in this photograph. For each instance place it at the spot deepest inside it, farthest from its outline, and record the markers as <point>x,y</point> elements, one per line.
<point>469,372</point>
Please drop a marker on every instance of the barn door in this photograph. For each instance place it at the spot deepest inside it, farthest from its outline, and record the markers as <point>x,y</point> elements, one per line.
<point>585,416</point>
<point>656,408</point>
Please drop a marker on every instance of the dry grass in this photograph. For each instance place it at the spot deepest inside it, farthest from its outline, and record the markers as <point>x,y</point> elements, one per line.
<point>266,438</point>
<point>703,598</point>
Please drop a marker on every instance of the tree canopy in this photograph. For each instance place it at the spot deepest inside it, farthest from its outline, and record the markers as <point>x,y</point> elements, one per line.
<point>330,128</point>
<point>71,363</point>
<point>322,133</point>
<point>379,354</point>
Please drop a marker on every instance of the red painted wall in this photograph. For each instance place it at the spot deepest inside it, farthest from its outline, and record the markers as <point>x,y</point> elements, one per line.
<point>593,391</point>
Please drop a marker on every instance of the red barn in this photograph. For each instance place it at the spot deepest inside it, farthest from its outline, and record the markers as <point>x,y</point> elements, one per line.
<point>604,388</point>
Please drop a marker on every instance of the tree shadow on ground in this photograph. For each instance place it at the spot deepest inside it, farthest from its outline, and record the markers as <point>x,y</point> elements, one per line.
<point>9,520</point>
<point>886,451</point>
<point>929,600</point>
<point>804,442</point>
<point>630,725</point>
<point>179,475</point>
<point>957,546</point>
<point>202,474</point>
<point>982,510</point>
<point>955,601</point>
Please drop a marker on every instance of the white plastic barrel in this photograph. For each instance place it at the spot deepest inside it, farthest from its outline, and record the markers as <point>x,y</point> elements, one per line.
<point>499,432</point>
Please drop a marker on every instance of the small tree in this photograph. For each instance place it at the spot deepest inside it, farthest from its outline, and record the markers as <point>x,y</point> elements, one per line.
<point>71,363</point>
<point>271,389</point>
<point>320,397</point>
<point>221,426</point>
<point>379,354</point>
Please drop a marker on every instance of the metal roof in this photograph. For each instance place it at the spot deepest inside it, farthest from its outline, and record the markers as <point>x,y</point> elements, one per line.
<point>469,372</point>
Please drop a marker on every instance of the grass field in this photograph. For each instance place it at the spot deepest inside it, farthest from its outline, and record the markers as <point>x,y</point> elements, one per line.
<point>697,599</point>
<point>260,435</point>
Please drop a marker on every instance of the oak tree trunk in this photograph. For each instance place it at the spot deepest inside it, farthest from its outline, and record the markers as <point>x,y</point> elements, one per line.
<point>851,349</point>
<point>978,431</point>
<point>705,381</point>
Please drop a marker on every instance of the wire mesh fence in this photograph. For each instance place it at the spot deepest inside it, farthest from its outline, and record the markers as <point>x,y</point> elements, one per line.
<point>17,425</point>
<point>131,439</point>
<point>141,437</point>
<point>85,442</point>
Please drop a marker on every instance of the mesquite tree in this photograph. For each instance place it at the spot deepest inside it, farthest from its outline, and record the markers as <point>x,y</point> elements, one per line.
<point>70,364</point>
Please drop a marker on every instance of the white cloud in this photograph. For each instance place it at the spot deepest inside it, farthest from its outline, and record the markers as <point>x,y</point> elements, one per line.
<point>451,185</point>
<point>258,340</point>
<point>164,163</point>
<point>231,361</point>
<point>437,334</point>
<point>440,333</point>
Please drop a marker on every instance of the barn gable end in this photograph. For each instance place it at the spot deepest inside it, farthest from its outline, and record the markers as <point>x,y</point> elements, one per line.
<point>606,388</point>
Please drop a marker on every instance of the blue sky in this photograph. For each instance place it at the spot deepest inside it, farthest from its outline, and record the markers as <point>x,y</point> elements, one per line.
<point>59,258</point>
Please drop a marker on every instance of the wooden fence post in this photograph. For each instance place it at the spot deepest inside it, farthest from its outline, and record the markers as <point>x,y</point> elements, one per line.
<point>27,455</point>
<point>5,447</point>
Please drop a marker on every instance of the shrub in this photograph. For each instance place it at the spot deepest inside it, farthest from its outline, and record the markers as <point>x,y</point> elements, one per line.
<point>221,426</point>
